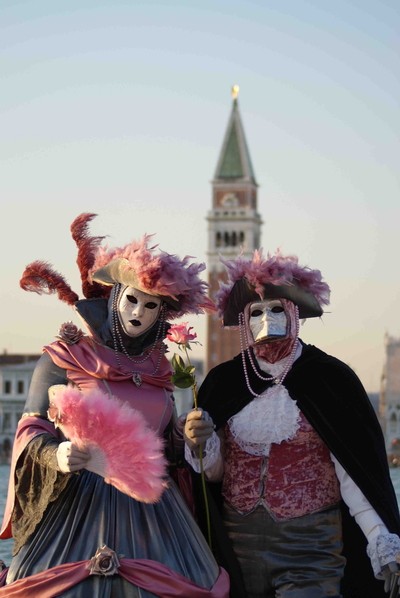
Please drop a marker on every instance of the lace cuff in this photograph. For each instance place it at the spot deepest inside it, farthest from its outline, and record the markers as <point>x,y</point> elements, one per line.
<point>382,550</point>
<point>211,454</point>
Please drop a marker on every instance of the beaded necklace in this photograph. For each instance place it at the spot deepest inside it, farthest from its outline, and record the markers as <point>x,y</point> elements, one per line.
<point>119,345</point>
<point>245,349</point>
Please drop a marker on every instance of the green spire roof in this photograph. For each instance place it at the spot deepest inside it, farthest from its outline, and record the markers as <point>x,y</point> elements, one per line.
<point>234,160</point>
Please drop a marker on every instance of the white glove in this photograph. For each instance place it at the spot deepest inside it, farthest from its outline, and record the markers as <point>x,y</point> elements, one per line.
<point>198,428</point>
<point>70,458</point>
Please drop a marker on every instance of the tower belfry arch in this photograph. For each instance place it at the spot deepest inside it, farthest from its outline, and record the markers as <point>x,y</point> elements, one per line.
<point>234,224</point>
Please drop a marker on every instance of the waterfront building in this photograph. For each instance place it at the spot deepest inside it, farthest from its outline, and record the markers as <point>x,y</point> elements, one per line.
<point>389,399</point>
<point>15,377</point>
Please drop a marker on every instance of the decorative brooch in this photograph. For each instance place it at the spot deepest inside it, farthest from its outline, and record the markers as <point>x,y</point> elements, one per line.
<point>104,562</point>
<point>70,333</point>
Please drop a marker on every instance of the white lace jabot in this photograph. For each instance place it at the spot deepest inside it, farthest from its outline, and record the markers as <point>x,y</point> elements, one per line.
<point>271,417</point>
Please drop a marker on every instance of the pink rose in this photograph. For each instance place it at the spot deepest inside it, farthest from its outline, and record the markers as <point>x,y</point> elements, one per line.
<point>180,334</point>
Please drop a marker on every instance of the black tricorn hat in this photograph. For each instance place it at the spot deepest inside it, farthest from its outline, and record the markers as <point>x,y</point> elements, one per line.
<point>243,293</point>
<point>275,277</point>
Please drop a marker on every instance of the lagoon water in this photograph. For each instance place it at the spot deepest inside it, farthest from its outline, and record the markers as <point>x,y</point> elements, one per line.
<point>6,545</point>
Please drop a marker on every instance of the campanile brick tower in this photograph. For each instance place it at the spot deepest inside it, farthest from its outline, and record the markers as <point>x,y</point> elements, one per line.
<point>234,225</point>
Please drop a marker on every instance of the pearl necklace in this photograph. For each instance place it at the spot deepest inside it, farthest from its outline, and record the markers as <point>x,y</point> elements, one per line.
<point>119,345</point>
<point>245,349</point>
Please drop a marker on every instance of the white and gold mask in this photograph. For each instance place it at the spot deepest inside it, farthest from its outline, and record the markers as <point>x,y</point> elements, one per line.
<point>267,320</point>
<point>137,311</point>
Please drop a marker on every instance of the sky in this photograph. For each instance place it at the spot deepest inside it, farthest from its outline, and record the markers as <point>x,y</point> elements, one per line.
<point>120,108</point>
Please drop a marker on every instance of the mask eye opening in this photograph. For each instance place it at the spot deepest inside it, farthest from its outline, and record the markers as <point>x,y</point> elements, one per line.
<point>255,313</point>
<point>151,305</point>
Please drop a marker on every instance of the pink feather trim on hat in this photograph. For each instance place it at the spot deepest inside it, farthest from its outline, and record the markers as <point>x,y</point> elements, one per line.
<point>124,449</point>
<point>162,274</point>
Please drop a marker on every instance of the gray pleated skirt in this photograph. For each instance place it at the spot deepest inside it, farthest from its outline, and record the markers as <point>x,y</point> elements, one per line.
<point>90,513</point>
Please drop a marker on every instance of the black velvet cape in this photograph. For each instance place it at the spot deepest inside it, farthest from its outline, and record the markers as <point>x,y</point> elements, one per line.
<point>334,401</point>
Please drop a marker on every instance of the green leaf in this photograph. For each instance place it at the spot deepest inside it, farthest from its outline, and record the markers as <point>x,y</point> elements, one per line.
<point>182,379</point>
<point>177,363</point>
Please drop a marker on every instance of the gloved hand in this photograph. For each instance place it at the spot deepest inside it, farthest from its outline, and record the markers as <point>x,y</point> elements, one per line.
<point>199,427</point>
<point>391,575</point>
<point>70,458</point>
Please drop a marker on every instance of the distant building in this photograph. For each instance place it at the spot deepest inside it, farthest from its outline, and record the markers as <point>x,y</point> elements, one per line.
<point>389,399</point>
<point>15,377</point>
<point>233,224</point>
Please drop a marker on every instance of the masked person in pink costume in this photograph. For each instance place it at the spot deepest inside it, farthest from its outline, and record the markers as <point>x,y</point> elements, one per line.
<point>91,507</point>
<point>298,453</point>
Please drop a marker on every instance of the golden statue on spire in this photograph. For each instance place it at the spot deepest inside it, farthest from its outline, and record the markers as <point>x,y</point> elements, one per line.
<point>235,91</point>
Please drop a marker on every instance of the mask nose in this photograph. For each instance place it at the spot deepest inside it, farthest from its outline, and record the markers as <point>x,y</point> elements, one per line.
<point>267,321</point>
<point>137,310</point>
<point>264,326</point>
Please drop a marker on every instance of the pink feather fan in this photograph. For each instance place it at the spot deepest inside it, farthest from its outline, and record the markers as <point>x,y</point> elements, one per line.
<point>124,449</point>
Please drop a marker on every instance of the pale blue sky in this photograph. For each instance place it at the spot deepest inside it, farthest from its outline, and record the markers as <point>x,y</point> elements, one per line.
<point>120,108</point>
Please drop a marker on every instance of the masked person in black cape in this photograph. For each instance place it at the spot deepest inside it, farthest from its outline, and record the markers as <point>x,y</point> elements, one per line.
<point>292,442</point>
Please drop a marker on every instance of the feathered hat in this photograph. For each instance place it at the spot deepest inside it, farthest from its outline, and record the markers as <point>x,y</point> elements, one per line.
<point>273,277</point>
<point>136,264</point>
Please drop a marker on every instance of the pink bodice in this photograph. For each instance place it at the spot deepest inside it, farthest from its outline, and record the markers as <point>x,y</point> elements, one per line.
<point>93,366</point>
<point>298,476</point>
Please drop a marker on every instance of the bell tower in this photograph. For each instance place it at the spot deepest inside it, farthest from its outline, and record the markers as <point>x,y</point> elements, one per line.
<point>234,225</point>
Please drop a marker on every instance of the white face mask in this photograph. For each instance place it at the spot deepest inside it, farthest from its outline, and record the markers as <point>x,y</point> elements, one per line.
<point>267,320</point>
<point>137,311</point>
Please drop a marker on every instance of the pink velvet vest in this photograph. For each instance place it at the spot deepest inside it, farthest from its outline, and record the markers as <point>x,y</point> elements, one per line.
<point>297,478</point>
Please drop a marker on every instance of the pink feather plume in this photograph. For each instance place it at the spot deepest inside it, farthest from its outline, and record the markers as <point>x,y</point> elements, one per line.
<point>125,450</point>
